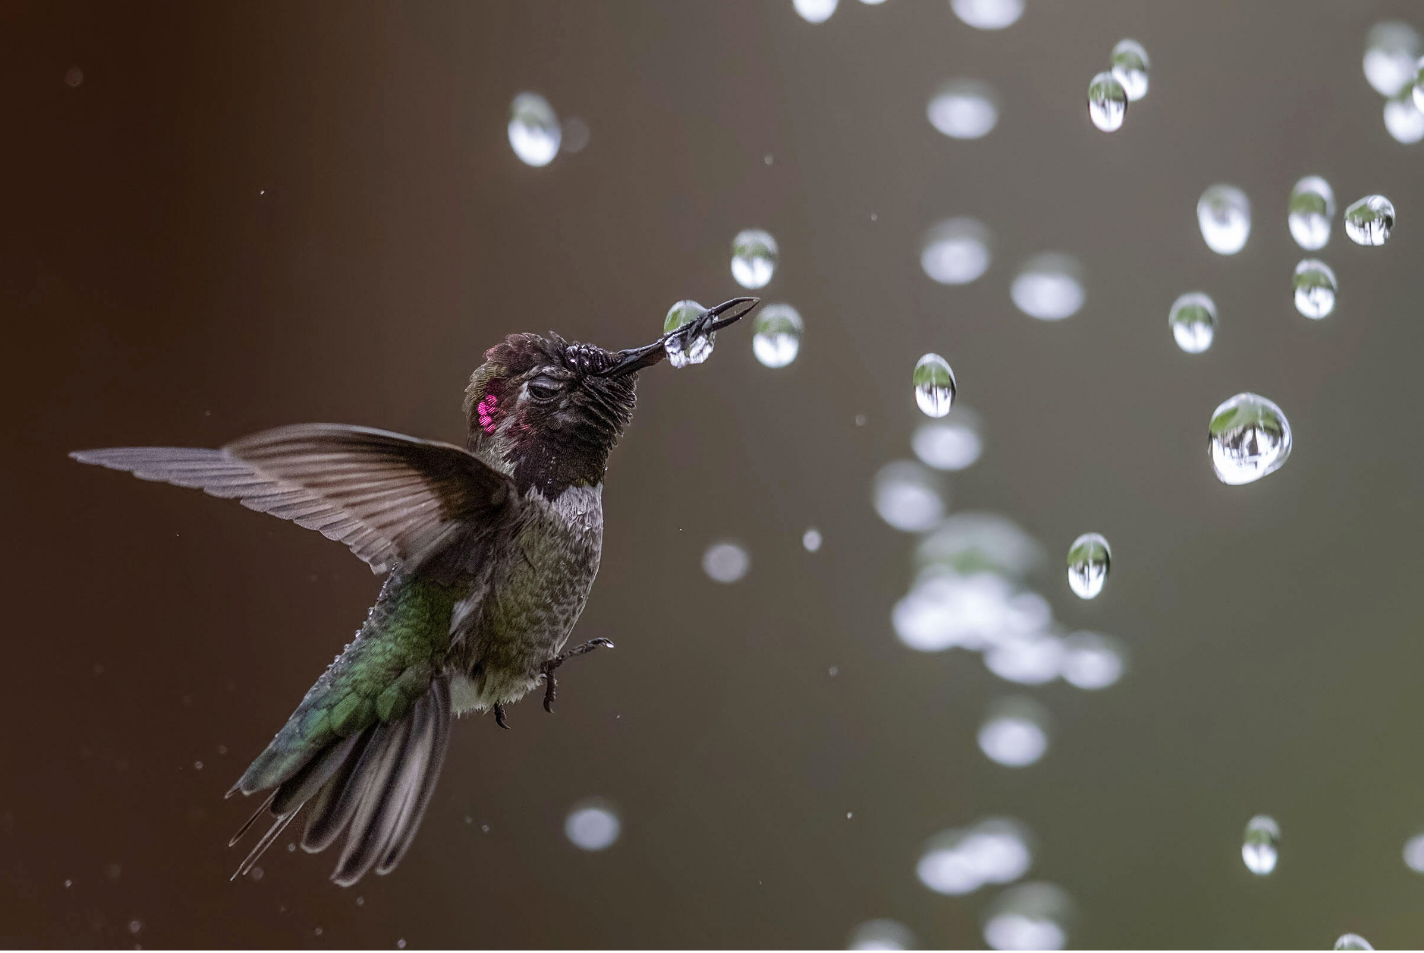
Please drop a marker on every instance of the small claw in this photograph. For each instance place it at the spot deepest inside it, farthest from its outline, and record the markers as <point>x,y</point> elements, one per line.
<point>550,691</point>
<point>499,717</point>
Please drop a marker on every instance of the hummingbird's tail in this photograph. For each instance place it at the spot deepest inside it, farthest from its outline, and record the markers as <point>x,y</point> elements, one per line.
<point>373,785</point>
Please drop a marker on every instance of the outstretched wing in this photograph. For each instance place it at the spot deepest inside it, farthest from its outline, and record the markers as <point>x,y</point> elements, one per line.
<point>394,500</point>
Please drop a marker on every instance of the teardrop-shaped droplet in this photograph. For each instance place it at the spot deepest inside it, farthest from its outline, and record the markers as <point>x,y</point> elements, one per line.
<point>534,130</point>
<point>1089,559</point>
<point>934,385</point>
<point>776,335</point>
<point>1224,214</point>
<point>1370,220</point>
<point>1261,844</point>
<point>1403,119</point>
<point>1314,288</point>
<point>1130,65</point>
<point>1193,321</point>
<point>681,351</point>
<point>1312,206</point>
<point>1107,102</point>
<point>1391,49</point>
<point>1248,437</point>
<point>963,109</point>
<point>1352,941</point>
<point>753,258</point>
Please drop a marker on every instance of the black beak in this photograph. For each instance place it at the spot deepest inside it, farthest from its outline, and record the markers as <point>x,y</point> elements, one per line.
<point>713,319</point>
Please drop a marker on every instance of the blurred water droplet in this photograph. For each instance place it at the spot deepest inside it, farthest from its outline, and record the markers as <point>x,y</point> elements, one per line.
<point>575,135</point>
<point>1032,916</point>
<point>1261,844</point>
<point>1414,853</point>
<point>400,944</point>
<point>1014,732</point>
<point>534,131</point>
<point>725,562</point>
<point>776,335</point>
<point>1403,119</point>
<point>1028,658</point>
<point>1091,661</point>
<point>957,862</point>
<point>1391,52</point>
<point>1089,560</point>
<point>1248,437</point>
<point>592,825</point>
<point>135,926</point>
<point>952,443</point>
<point>881,935</point>
<point>1107,102</point>
<point>964,109</point>
<point>1312,206</point>
<point>956,251</point>
<point>1314,283</point>
<point>1048,287</point>
<point>73,76</point>
<point>1130,65</point>
<point>754,255</point>
<point>1193,321</point>
<point>908,496</point>
<point>976,542</point>
<point>1370,220</point>
<point>988,14</point>
<point>1224,214</point>
<point>935,386</point>
<point>256,873</point>
<point>197,765</point>
<point>681,351</point>
<point>811,539</point>
<point>1352,941</point>
<point>815,11</point>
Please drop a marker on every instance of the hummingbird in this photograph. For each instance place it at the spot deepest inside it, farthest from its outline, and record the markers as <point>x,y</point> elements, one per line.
<point>488,551</point>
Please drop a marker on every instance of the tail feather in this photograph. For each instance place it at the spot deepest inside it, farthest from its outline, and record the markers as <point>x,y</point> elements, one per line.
<point>408,822</point>
<point>333,805</point>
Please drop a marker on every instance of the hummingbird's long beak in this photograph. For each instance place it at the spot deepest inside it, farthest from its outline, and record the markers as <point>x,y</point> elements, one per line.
<point>713,319</point>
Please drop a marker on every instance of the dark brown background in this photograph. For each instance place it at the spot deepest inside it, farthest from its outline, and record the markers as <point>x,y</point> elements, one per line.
<point>153,294</point>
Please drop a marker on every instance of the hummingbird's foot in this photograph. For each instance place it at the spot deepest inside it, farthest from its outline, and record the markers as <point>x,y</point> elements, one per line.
<point>499,718</point>
<point>551,685</point>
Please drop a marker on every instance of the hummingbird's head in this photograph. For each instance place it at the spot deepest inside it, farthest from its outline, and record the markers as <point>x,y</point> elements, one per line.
<point>548,411</point>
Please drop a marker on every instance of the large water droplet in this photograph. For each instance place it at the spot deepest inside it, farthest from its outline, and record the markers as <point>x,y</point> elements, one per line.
<point>776,335</point>
<point>1048,287</point>
<point>1352,941</point>
<point>1193,321</point>
<point>994,851</point>
<point>753,258</point>
<point>956,251</point>
<point>1403,119</point>
<point>1314,288</point>
<point>881,935</point>
<point>934,385</point>
<point>1391,49</point>
<point>1370,220</point>
<point>1014,732</point>
<point>811,539</point>
<point>1130,65</point>
<point>534,131</point>
<point>815,11</point>
<point>1224,214</point>
<point>908,496</point>
<point>1312,206</point>
<point>1032,916</point>
<point>1092,661</point>
<point>1261,844</point>
<point>988,14</point>
<point>592,825</point>
<point>963,109</point>
<point>725,562</point>
<point>1248,437</point>
<point>949,444</point>
<point>681,351</point>
<point>1107,102</point>
<point>1089,559</point>
<point>1414,853</point>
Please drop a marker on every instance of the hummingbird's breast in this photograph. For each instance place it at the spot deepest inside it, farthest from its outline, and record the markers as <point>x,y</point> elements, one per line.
<point>539,580</point>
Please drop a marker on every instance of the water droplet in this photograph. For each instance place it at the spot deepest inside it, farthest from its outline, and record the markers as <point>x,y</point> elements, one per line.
<point>1224,214</point>
<point>908,496</point>
<point>1130,65</point>
<point>956,251</point>
<point>1048,287</point>
<point>1193,321</point>
<point>400,944</point>
<point>988,14</point>
<point>592,825</point>
<point>957,862</point>
<point>73,76</point>
<point>815,11</point>
<point>680,351</point>
<point>776,334</point>
<point>1370,220</point>
<point>1403,118</point>
<point>1014,732</point>
<point>1091,661</point>
<point>575,135</point>
<point>1089,559</point>
<point>1414,853</point>
<point>1107,102</point>
<point>135,926</point>
<point>1352,941</point>
<point>1314,288</point>
<point>811,539</point>
<point>534,131</point>
<point>256,873</point>
<point>1028,658</point>
<point>754,254</point>
<point>1391,49</point>
<point>881,935</point>
<point>934,385</point>
<point>974,542</point>
<point>1260,845</point>
<point>964,109</point>
<point>1312,206</point>
<point>1248,438</point>
<point>197,765</point>
<point>68,883</point>
<point>725,562</point>
<point>1031,916</point>
<point>949,444</point>
<point>1418,90</point>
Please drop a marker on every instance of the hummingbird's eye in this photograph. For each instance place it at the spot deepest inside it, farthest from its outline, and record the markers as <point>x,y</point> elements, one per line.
<point>542,388</point>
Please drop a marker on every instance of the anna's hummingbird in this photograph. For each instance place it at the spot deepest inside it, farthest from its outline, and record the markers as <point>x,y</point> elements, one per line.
<point>490,552</point>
